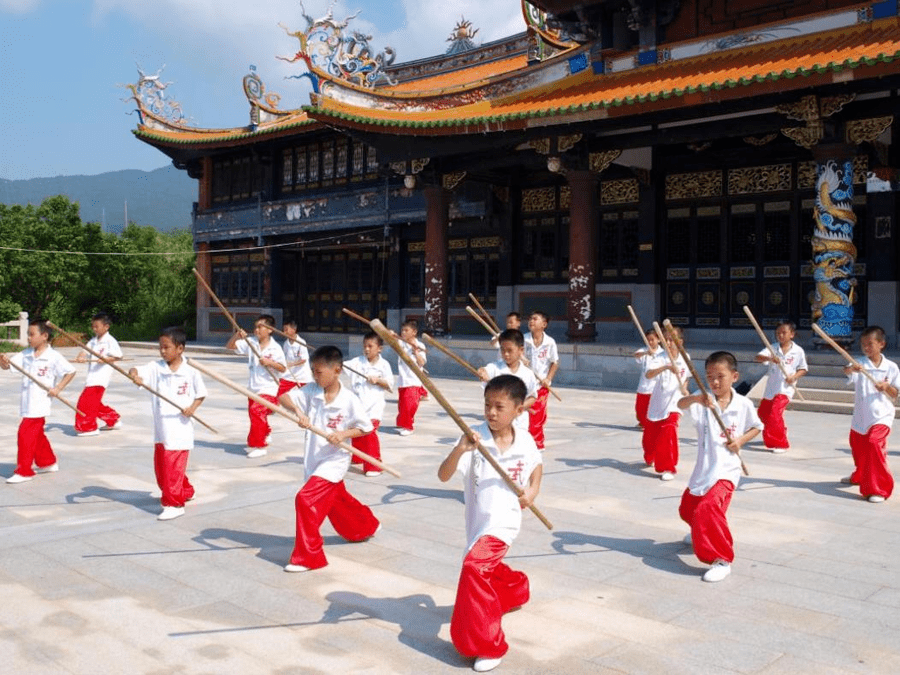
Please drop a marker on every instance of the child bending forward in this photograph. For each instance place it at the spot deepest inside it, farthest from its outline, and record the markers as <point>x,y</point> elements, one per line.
<point>488,588</point>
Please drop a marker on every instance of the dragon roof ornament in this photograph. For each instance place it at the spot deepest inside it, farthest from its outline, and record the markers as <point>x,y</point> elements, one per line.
<point>154,108</point>
<point>331,52</point>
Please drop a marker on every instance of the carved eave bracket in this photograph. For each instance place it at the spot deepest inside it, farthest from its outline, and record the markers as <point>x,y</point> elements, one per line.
<point>450,180</point>
<point>813,111</point>
<point>598,162</point>
<point>866,131</point>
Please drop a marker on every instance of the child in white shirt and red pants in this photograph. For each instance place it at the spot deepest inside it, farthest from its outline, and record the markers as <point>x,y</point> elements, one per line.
<point>173,429</point>
<point>718,469</point>
<point>48,366</point>
<point>409,388</point>
<point>487,587</point>
<point>873,417</point>
<point>542,356</point>
<point>331,407</point>
<point>99,373</point>
<point>376,379</point>
<point>660,438</point>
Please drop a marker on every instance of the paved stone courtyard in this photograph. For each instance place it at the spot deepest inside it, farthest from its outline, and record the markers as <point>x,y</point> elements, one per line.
<point>91,582</point>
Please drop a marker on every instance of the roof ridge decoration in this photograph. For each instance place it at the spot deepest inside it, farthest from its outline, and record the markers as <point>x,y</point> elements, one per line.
<point>154,109</point>
<point>263,106</point>
<point>461,37</point>
<point>548,40</point>
<point>331,53</point>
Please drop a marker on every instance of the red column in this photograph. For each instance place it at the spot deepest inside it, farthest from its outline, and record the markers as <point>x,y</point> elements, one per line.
<point>582,251</point>
<point>203,266</point>
<point>438,215</point>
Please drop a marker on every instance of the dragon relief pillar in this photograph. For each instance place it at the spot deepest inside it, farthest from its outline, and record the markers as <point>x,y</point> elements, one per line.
<point>582,287</point>
<point>436,219</point>
<point>832,242</point>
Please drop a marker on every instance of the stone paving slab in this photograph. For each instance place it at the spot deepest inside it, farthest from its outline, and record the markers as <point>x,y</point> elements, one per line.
<point>92,582</point>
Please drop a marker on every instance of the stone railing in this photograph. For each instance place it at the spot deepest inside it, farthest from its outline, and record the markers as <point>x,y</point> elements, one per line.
<point>16,331</point>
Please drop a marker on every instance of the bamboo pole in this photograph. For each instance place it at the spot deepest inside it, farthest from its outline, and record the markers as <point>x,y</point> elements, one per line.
<point>662,341</point>
<point>843,352</point>
<point>124,372</point>
<point>703,390</point>
<point>366,321</point>
<point>640,329</point>
<point>234,323</point>
<point>392,340</point>
<point>277,409</point>
<point>486,315</point>
<point>308,346</point>
<point>45,387</point>
<point>437,345</point>
<point>762,336</point>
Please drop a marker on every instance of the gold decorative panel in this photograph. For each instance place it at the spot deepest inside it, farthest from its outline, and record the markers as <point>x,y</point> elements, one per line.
<point>709,273</point>
<point>415,246</point>
<point>694,185</point>
<point>748,272</point>
<point>485,242</point>
<point>678,273</point>
<point>619,191</point>
<point>539,199</point>
<point>457,243</point>
<point>750,180</point>
<point>565,198</point>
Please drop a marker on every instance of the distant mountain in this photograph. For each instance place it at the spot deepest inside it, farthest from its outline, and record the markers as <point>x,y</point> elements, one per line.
<point>162,198</point>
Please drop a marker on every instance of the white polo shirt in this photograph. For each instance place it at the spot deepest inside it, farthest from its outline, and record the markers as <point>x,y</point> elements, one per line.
<point>793,360</point>
<point>183,386</point>
<point>541,357</point>
<point>48,368</point>
<point>297,351</point>
<point>666,391</point>
<point>346,411</point>
<point>715,462</point>
<point>525,374</point>
<point>648,362</point>
<point>492,508</point>
<point>259,380</point>
<point>405,375</point>
<point>99,373</point>
<point>870,406</point>
<point>371,395</point>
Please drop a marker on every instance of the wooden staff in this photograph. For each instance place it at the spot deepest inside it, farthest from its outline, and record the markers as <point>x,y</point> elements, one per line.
<point>486,315</point>
<point>234,323</point>
<point>45,387</point>
<point>843,352</point>
<point>640,329</point>
<point>392,340</point>
<point>762,336</point>
<point>122,371</point>
<point>275,408</point>
<point>497,334</point>
<point>437,345</point>
<point>358,317</point>
<point>702,387</point>
<point>308,346</point>
<point>662,341</point>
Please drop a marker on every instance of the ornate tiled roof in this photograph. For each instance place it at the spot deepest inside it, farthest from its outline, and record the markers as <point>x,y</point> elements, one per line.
<point>289,125</point>
<point>864,50</point>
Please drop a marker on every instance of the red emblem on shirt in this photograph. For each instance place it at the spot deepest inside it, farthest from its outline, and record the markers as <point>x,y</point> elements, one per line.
<point>182,389</point>
<point>333,422</point>
<point>42,371</point>
<point>516,472</point>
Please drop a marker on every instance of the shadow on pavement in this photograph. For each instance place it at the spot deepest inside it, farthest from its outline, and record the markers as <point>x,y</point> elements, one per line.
<point>141,499</point>
<point>396,493</point>
<point>638,468</point>
<point>660,555</point>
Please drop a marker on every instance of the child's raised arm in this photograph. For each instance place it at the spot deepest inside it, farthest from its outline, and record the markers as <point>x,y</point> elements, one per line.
<point>448,466</point>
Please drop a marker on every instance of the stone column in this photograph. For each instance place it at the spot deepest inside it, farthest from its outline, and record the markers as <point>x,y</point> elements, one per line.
<point>832,242</point>
<point>582,252</point>
<point>438,215</point>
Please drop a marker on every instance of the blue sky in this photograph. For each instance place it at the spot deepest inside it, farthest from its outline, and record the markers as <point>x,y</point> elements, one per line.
<point>62,62</point>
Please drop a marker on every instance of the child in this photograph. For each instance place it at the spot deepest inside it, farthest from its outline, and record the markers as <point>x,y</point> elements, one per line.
<point>512,349</point>
<point>873,415</point>
<point>660,439</point>
<point>49,366</point>
<point>718,469</point>
<point>487,587</point>
<point>261,380</point>
<point>409,387</point>
<point>543,359</point>
<point>91,400</point>
<point>513,321</point>
<point>329,406</point>
<point>173,430</point>
<point>779,390</point>
<point>370,389</point>
<point>649,360</point>
<point>296,358</point>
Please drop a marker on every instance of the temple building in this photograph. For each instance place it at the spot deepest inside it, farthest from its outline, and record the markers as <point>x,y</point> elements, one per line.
<point>686,158</point>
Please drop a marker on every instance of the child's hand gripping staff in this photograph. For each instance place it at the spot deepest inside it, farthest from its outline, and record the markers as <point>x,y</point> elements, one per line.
<point>392,340</point>
<point>124,372</point>
<point>768,344</point>
<point>5,359</point>
<point>296,419</point>
<point>853,362</point>
<point>703,390</point>
<point>234,324</point>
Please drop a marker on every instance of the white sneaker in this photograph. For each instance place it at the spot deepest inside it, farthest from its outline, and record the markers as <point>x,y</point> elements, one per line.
<point>295,568</point>
<point>875,499</point>
<point>19,478</point>
<point>170,512</point>
<point>688,539</point>
<point>484,664</point>
<point>372,474</point>
<point>779,451</point>
<point>95,432</point>
<point>117,425</point>
<point>255,452</point>
<point>719,570</point>
<point>405,432</point>
<point>53,468</point>
<point>666,475</point>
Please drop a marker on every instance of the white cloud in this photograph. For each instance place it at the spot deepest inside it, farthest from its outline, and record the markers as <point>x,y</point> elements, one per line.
<point>18,6</point>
